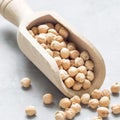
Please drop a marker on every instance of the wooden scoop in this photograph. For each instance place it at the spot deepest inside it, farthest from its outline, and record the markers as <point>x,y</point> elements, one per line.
<point>17,12</point>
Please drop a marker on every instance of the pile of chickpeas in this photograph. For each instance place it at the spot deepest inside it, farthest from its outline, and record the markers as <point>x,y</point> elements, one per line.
<point>75,67</point>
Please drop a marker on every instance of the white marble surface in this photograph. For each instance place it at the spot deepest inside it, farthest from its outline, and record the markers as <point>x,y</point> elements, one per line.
<point>97,20</point>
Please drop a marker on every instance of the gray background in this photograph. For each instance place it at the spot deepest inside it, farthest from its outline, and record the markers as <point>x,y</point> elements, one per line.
<point>97,20</point>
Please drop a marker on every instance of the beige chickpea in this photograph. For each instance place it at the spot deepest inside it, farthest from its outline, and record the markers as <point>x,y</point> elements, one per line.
<point>58,60</point>
<point>47,98</point>
<point>72,71</point>
<point>56,54</point>
<point>89,64</point>
<point>65,64</point>
<point>50,37</point>
<point>85,98</point>
<point>93,103</point>
<point>96,94</point>
<point>25,82</point>
<point>30,111</point>
<point>82,69</point>
<point>60,115</point>
<point>31,33</point>
<point>72,62</point>
<point>103,112</point>
<point>55,45</point>
<point>59,38</point>
<point>50,25</point>
<point>63,44</point>
<point>75,99</point>
<point>116,109</point>
<point>63,32</point>
<point>105,92</point>
<point>84,55</point>
<point>35,30</point>
<point>63,74</point>
<point>41,38</point>
<point>43,28</point>
<point>53,31</point>
<point>90,75</point>
<point>76,107</point>
<point>69,82</point>
<point>44,45</point>
<point>65,103</point>
<point>115,88</point>
<point>74,54</point>
<point>79,61</point>
<point>97,118</point>
<point>57,27</point>
<point>86,84</point>
<point>64,53</point>
<point>50,52</point>
<point>77,86</point>
<point>70,113</point>
<point>104,101</point>
<point>71,46</point>
<point>80,77</point>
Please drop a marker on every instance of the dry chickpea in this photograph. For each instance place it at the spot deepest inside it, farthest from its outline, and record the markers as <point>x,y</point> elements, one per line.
<point>75,99</point>
<point>63,44</point>
<point>65,64</point>
<point>41,38</point>
<point>77,86</point>
<point>72,62</point>
<point>89,64</point>
<point>50,37</point>
<point>60,115</point>
<point>115,88</point>
<point>103,112</point>
<point>35,30</point>
<point>96,94</point>
<point>56,54</point>
<point>85,98</point>
<point>86,84</point>
<point>63,74</point>
<point>58,60</point>
<point>104,101</point>
<point>70,113</point>
<point>57,27</point>
<point>90,75</point>
<point>44,45</point>
<point>71,46</point>
<point>31,33</point>
<point>79,61</point>
<point>47,98</point>
<point>84,55</point>
<point>76,107</point>
<point>64,53</point>
<point>43,28</point>
<point>93,103</point>
<point>72,71</point>
<point>116,109</point>
<point>50,52</point>
<point>59,38</point>
<point>69,82</point>
<point>80,77</point>
<point>65,103</point>
<point>53,31</point>
<point>82,69</point>
<point>25,82</point>
<point>50,25</point>
<point>105,92</point>
<point>74,54</point>
<point>63,32</point>
<point>97,118</point>
<point>30,110</point>
<point>55,45</point>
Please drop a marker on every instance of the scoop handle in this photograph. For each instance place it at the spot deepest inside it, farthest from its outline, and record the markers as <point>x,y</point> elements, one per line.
<point>15,10</point>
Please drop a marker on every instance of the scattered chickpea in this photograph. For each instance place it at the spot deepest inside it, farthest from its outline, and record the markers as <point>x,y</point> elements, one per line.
<point>82,69</point>
<point>96,93</point>
<point>80,77</point>
<point>30,110</point>
<point>93,103</point>
<point>69,82</point>
<point>71,46</point>
<point>64,53</point>
<point>65,103</point>
<point>77,86</point>
<point>84,55</point>
<point>90,75</point>
<point>85,98</point>
<point>116,109</point>
<point>53,31</point>
<point>60,115</point>
<point>63,74</point>
<point>63,32</point>
<point>70,113</point>
<point>57,27</point>
<point>105,92</point>
<point>72,71</point>
<point>74,54</point>
<point>48,98</point>
<point>103,112</point>
<point>104,101</point>
<point>79,61</point>
<point>89,65</point>
<point>58,60</point>
<point>115,88</point>
<point>43,28</point>
<point>86,84</point>
<point>35,30</point>
<point>25,82</point>
<point>75,99</point>
<point>76,107</point>
<point>97,118</point>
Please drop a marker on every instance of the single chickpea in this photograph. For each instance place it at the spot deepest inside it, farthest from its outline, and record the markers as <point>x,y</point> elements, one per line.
<point>75,99</point>
<point>71,46</point>
<point>50,37</point>
<point>56,54</point>
<point>65,103</point>
<point>41,38</point>
<point>89,64</point>
<point>55,45</point>
<point>86,84</point>
<point>97,118</point>
<point>80,77</point>
<point>69,82</point>
<point>104,101</point>
<point>60,115</point>
<point>90,75</point>
<point>115,88</point>
<point>64,53</point>
<point>30,111</point>
<point>65,64</point>
<point>53,31</point>
<point>105,92</point>
<point>85,98</point>
<point>58,60</point>
<point>84,55</point>
<point>72,62</point>
<point>57,27</point>
<point>82,69</point>
<point>72,71</point>
<point>79,61</point>
<point>59,38</point>
<point>25,82</point>
<point>63,44</point>
<point>50,25</point>
<point>96,94</point>
<point>93,103</point>
<point>31,33</point>
<point>47,98</point>
<point>116,109</point>
<point>74,54</point>
<point>76,107</point>
<point>35,30</point>
<point>103,112</point>
<point>43,28</point>
<point>77,86</point>
<point>63,74</point>
<point>63,32</point>
<point>50,52</point>
<point>70,113</point>
<point>44,45</point>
